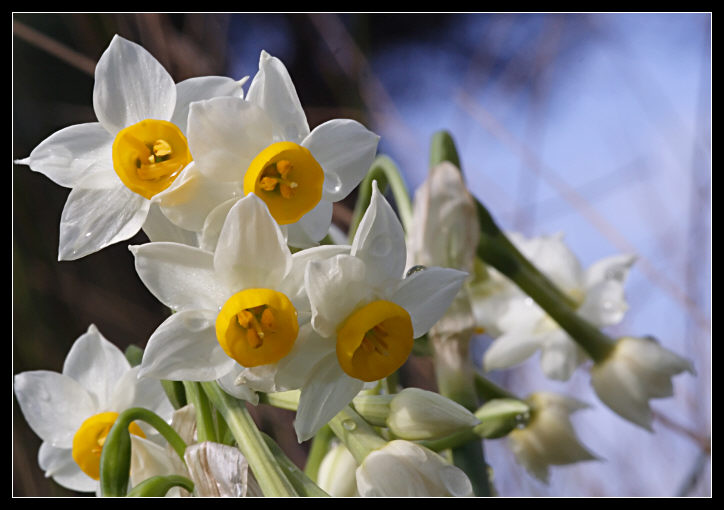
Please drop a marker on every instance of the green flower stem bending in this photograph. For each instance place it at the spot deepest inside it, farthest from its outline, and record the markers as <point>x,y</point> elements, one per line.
<point>116,455</point>
<point>303,484</point>
<point>488,390</point>
<point>266,469</point>
<point>495,249</point>
<point>175,393</point>
<point>357,435</point>
<point>158,486</point>
<point>205,426</point>
<point>319,448</point>
<point>385,172</point>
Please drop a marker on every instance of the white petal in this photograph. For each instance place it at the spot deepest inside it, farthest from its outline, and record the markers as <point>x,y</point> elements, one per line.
<point>184,348</point>
<point>345,149</point>
<point>148,393</point>
<point>217,470</point>
<point>158,228</point>
<point>426,295</point>
<point>605,304</point>
<point>181,277</point>
<point>241,391</point>
<point>298,366</point>
<point>225,135</point>
<point>192,196</point>
<point>131,86</point>
<point>560,356</point>
<point>58,463</point>
<point>335,286</point>
<point>149,459</point>
<point>251,252</point>
<point>66,155</point>
<point>323,396</point>
<point>293,283</point>
<point>273,91</point>
<point>380,240</point>
<point>313,226</point>
<point>94,218</point>
<point>44,396</point>
<point>510,349</point>
<point>96,364</point>
<point>199,89</point>
<point>620,390</point>
<point>613,268</point>
<point>213,224</point>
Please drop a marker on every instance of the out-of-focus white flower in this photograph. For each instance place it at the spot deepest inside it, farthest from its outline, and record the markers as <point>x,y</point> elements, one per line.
<point>406,469</point>
<point>336,474</point>
<point>418,414</point>
<point>526,328</point>
<point>637,370</point>
<point>365,316</point>
<point>73,411</point>
<point>262,145</point>
<point>137,148</point>
<point>549,438</point>
<point>240,306</point>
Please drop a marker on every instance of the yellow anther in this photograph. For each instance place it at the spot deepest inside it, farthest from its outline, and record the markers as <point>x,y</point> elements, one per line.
<point>90,438</point>
<point>257,327</point>
<point>288,178</point>
<point>374,341</point>
<point>149,155</point>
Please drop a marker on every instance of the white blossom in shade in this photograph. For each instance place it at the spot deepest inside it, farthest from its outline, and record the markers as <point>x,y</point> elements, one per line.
<point>405,469</point>
<point>217,470</point>
<point>419,414</point>
<point>228,134</point>
<point>131,87</point>
<point>96,379</point>
<point>365,316</point>
<point>637,370</point>
<point>549,438</point>
<point>336,474</point>
<point>598,294</point>
<point>250,255</point>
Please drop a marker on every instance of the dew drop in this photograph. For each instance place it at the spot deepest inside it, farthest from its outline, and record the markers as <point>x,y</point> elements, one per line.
<point>349,425</point>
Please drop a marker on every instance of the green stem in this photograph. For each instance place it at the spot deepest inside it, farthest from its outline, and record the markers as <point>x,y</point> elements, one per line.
<point>205,427</point>
<point>288,400</point>
<point>488,390</point>
<point>158,486</point>
<point>442,148</point>
<point>357,435</point>
<point>319,448</point>
<point>266,469</point>
<point>453,441</point>
<point>175,393</point>
<point>385,172</point>
<point>495,249</point>
<point>303,484</point>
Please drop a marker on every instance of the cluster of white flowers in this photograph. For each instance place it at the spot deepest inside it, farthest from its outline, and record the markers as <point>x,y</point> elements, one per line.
<point>235,193</point>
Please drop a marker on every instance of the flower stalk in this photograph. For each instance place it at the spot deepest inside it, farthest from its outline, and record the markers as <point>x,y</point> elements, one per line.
<point>358,436</point>
<point>158,486</point>
<point>266,469</point>
<point>205,427</point>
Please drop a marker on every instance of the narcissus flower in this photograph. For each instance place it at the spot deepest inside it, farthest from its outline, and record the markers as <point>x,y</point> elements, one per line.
<point>240,305</point>
<point>597,293</point>
<point>73,411</point>
<point>336,474</point>
<point>637,370</point>
<point>262,144</point>
<point>138,147</point>
<point>406,469</point>
<point>548,439</point>
<point>365,316</point>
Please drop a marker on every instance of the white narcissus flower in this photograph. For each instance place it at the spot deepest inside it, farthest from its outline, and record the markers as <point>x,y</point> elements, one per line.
<point>116,166</point>
<point>262,145</point>
<point>336,474</point>
<point>548,439</point>
<point>406,469</point>
<point>73,411</point>
<point>365,316</point>
<point>240,306</point>
<point>637,370</point>
<point>597,292</point>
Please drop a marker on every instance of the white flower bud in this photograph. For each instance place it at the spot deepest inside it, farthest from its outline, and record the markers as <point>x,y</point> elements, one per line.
<point>405,469</point>
<point>549,438</point>
<point>418,414</point>
<point>336,474</point>
<point>638,369</point>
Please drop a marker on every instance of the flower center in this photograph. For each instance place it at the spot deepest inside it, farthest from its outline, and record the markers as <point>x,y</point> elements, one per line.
<point>288,178</point>
<point>374,341</point>
<point>89,440</point>
<point>149,155</point>
<point>257,327</point>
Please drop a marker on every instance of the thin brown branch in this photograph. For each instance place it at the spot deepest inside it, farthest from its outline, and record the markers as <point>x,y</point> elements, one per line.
<point>58,50</point>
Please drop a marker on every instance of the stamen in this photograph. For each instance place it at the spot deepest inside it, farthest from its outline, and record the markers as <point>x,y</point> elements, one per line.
<point>161,148</point>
